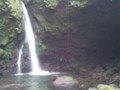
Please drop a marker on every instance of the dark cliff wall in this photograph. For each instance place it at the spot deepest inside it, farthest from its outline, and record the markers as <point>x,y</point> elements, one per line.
<point>71,37</point>
<point>77,35</point>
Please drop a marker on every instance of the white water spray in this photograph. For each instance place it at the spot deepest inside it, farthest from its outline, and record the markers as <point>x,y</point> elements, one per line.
<point>19,60</point>
<point>30,40</point>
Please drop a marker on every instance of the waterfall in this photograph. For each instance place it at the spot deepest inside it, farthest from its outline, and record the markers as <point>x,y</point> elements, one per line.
<point>19,60</point>
<point>30,40</point>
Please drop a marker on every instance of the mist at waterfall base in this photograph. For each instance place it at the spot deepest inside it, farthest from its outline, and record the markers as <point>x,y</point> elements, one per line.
<point>30,40</point>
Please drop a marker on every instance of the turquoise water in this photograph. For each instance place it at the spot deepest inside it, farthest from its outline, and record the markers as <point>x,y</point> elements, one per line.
<point>28,83</point>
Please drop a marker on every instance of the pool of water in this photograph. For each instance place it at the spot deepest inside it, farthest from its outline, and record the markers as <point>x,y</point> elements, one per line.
<point>28,83</point>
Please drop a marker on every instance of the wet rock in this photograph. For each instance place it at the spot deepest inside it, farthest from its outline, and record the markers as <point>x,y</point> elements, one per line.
<point>64,81</point>
<point>14,86</point>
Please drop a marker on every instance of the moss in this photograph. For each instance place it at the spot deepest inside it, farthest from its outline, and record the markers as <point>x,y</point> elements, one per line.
<point>53,26</point>
<point>69,78</point>
<point>78,3</point>
<point>51,3</point>
<point>15,7</point>
<point>54,3</point>
<point>10,26</point>
<point>105,87</point>
<point>4,41</point>
<point>42,47</point>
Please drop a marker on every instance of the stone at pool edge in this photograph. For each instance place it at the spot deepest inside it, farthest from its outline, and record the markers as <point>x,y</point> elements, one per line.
<point>64,81</point>
<point>13,86</point>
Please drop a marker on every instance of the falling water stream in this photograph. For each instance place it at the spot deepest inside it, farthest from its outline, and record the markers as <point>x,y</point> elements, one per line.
<point>19,60</point>
<point>30,40</point>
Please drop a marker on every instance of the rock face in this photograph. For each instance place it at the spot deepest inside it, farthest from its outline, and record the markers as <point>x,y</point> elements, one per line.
<point>70,36</point>
<point>10,34</point>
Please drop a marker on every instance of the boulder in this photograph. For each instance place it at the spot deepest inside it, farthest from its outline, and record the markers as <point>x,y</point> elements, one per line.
<point>64,81</point>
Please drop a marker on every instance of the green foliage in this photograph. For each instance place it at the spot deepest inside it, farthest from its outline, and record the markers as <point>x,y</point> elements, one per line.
<point>15,7</point>
<point>105,87</point>
<point>10,26</point>
<point>51,3</point>
<point>78,3</point>
<point>54,3</point>
<point>4,41</point>
<point>41,46</point>
<point>1,51</point>
<point>8,50</point>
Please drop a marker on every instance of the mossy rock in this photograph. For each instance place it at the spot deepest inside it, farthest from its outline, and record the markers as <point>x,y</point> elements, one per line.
<point>105,87</point>
<point>65,81</point>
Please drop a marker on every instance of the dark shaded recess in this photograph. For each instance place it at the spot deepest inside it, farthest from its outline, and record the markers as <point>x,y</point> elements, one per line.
<point>29,3</point>
<point>106,46</point>
<point>94,36</point>
<point>87,35</point>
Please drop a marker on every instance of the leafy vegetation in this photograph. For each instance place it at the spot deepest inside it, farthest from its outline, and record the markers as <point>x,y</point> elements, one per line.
<point>105,87</point>
<point>15,7</point>
<point>78,3</point>
<point>54,3</point>
<point>10,23</point>
<point>51,3</point>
